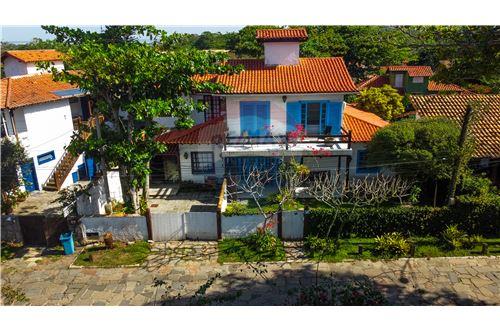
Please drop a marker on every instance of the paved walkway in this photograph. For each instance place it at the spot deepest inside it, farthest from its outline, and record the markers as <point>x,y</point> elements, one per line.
<point>184,268</point>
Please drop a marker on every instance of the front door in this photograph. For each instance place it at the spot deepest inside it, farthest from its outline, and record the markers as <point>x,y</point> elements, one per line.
<point>29,176</point>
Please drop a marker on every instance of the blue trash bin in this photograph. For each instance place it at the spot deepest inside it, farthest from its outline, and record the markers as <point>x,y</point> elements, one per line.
<point>67,242</point>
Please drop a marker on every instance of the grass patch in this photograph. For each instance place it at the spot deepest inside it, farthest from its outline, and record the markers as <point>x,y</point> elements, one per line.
<point>121,255</point>
<point>238,250</point>
<point>425,247</point>
<point>9,250</point>
<point>250,207</point>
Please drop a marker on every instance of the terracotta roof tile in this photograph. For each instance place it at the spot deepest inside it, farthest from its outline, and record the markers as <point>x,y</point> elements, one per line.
<point>273,35</point>
<point>30,89</point>
<point>376,81</point>
<point>437,86</point>
<point>311,75</point>
<point>412,70</point>
<point>212,131</point>
<point>486,129</point>
<point>362,124</point>
<point>34,55</point>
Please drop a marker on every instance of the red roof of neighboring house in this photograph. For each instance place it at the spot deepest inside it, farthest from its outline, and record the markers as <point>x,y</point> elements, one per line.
<point>375,81</point>
<point>412,70</point>
<point>212,131</point>
<point>485,129</point>
<point>281,35</point>
<point>30,89</point>
<point>437,86</point>
<point>311,75</point>
<point>362,124</point>
<point>34,55</point>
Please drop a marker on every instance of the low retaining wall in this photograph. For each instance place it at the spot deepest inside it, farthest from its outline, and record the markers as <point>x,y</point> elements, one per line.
<point>123,228</point>
<point>11,229</point>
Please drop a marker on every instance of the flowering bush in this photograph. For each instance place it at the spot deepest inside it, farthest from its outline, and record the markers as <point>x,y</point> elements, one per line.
<point>332,292</point>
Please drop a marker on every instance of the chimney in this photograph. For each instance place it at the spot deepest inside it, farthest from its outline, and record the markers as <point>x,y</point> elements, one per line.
<point>281,46</point>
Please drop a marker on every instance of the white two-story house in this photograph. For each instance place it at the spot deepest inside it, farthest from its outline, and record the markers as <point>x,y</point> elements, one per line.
<point>42,114</point>
<point>282,106</point>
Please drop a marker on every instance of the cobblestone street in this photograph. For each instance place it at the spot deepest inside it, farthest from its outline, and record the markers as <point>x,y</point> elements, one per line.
<point>185,266</point>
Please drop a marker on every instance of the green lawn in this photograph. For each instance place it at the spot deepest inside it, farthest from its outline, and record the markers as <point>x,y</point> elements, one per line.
<point>120,255</point>
<point>425,247</point>
<point>236,250</point>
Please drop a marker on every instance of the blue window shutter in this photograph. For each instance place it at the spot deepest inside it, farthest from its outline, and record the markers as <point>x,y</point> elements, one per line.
<point>293,116</point>
<point>89,161</point>
<point>247,115</point>
<point>263,118</point>
<point>334,116</point>
<point>74,175</point>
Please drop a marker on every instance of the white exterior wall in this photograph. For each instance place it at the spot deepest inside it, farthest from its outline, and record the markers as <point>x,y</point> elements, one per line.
<point>185,164</point>
<point>15,67</point>
<point>43,128</point>
<point>278,109</point>
<point>281,53</point>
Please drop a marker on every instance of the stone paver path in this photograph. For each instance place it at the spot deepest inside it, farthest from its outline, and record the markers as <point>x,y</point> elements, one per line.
<point>465,281</point>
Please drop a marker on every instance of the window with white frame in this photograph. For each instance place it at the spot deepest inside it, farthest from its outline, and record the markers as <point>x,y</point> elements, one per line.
<point>202,163</point>
<point>398,80</point>
<point>418,79</point>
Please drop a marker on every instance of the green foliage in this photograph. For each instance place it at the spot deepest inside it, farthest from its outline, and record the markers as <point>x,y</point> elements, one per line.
<point>474,217</point>
<point>245,250</point>
<point>421,149</point>
<point>343,293</point>
<point>263,242</point>
<point>269,205</point>
<point>11,295</point>
<point>454,238</point>
<point>477,186</point>
<point>392,244</point>
<point>9,250</point>
<point>317,244</point>
<point>13,156</point>
<point>245,44</point>
<point>385,102</point>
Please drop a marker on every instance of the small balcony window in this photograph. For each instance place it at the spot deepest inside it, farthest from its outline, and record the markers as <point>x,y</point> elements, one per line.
<point>418,79</point>
<point>216,106</point>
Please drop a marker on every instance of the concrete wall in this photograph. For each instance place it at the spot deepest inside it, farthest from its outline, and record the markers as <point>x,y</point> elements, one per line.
<point>185,164</point>
<point>124,228</point>
<point>278,109</point>
<point>32,68</point>
<point>92,202</point>
<point>281,53</point>
<point>11,229</point>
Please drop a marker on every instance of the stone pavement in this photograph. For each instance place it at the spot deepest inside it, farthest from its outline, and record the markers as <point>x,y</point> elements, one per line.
<point>184,268</point>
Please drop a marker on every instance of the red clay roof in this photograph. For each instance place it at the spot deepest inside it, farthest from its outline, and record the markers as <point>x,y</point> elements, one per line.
<point>375,81</point>
<point>311,75</point>
<point>281,35</point>
<point>34,55</point>
<point>362,124</point>
<point>212,131</point>
<point>30,89</point>
<point>412,70</point>
<point>485,129</point>
<point>437,86</point>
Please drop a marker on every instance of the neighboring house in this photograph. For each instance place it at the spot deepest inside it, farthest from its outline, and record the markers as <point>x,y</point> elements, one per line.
<point>410,80</point>
<point>42,114</point>
<point>24,62</point>
<point>485,128</point>
<point>270,99</point>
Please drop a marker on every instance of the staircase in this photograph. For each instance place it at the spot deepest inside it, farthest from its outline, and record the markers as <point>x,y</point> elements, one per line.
<point>60,172</point>
<point>67,161</point>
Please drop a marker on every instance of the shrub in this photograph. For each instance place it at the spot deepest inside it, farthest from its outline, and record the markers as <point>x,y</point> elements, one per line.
<point>474,216</point>
<point>235,208</point>
<point>319,245</point>
<point>393,244</point>
<point>453,237</point>
<point>263,242</point>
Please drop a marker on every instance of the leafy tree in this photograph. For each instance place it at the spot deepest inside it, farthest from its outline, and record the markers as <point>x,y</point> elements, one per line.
<point>384,102</point>
<point>13,156</point>
<point>245,44</point>
<point>461,54</point>
<point>132,81</point>
<point>210,40</point>
<point>421,150</point>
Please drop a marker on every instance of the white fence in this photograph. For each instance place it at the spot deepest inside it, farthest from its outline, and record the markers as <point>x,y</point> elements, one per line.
<point>244,225</point>
<point>293,225</point>
<point>124,228</point>
<point>178,226</point>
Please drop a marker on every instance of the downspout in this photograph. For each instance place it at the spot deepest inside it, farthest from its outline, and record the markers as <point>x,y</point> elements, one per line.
<point>13,123</point>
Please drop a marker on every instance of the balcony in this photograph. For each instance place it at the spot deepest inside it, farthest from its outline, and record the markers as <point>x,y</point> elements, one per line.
<point>288,145</point>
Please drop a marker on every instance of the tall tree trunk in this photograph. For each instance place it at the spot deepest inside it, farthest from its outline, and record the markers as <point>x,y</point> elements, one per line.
<point>131,176</point>
<point>145,189</point>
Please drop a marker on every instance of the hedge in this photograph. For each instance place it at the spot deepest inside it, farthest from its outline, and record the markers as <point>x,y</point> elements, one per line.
<point>476,218</point>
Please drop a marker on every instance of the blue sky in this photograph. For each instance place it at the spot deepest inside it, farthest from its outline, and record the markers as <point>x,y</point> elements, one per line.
<point>27,33</point>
